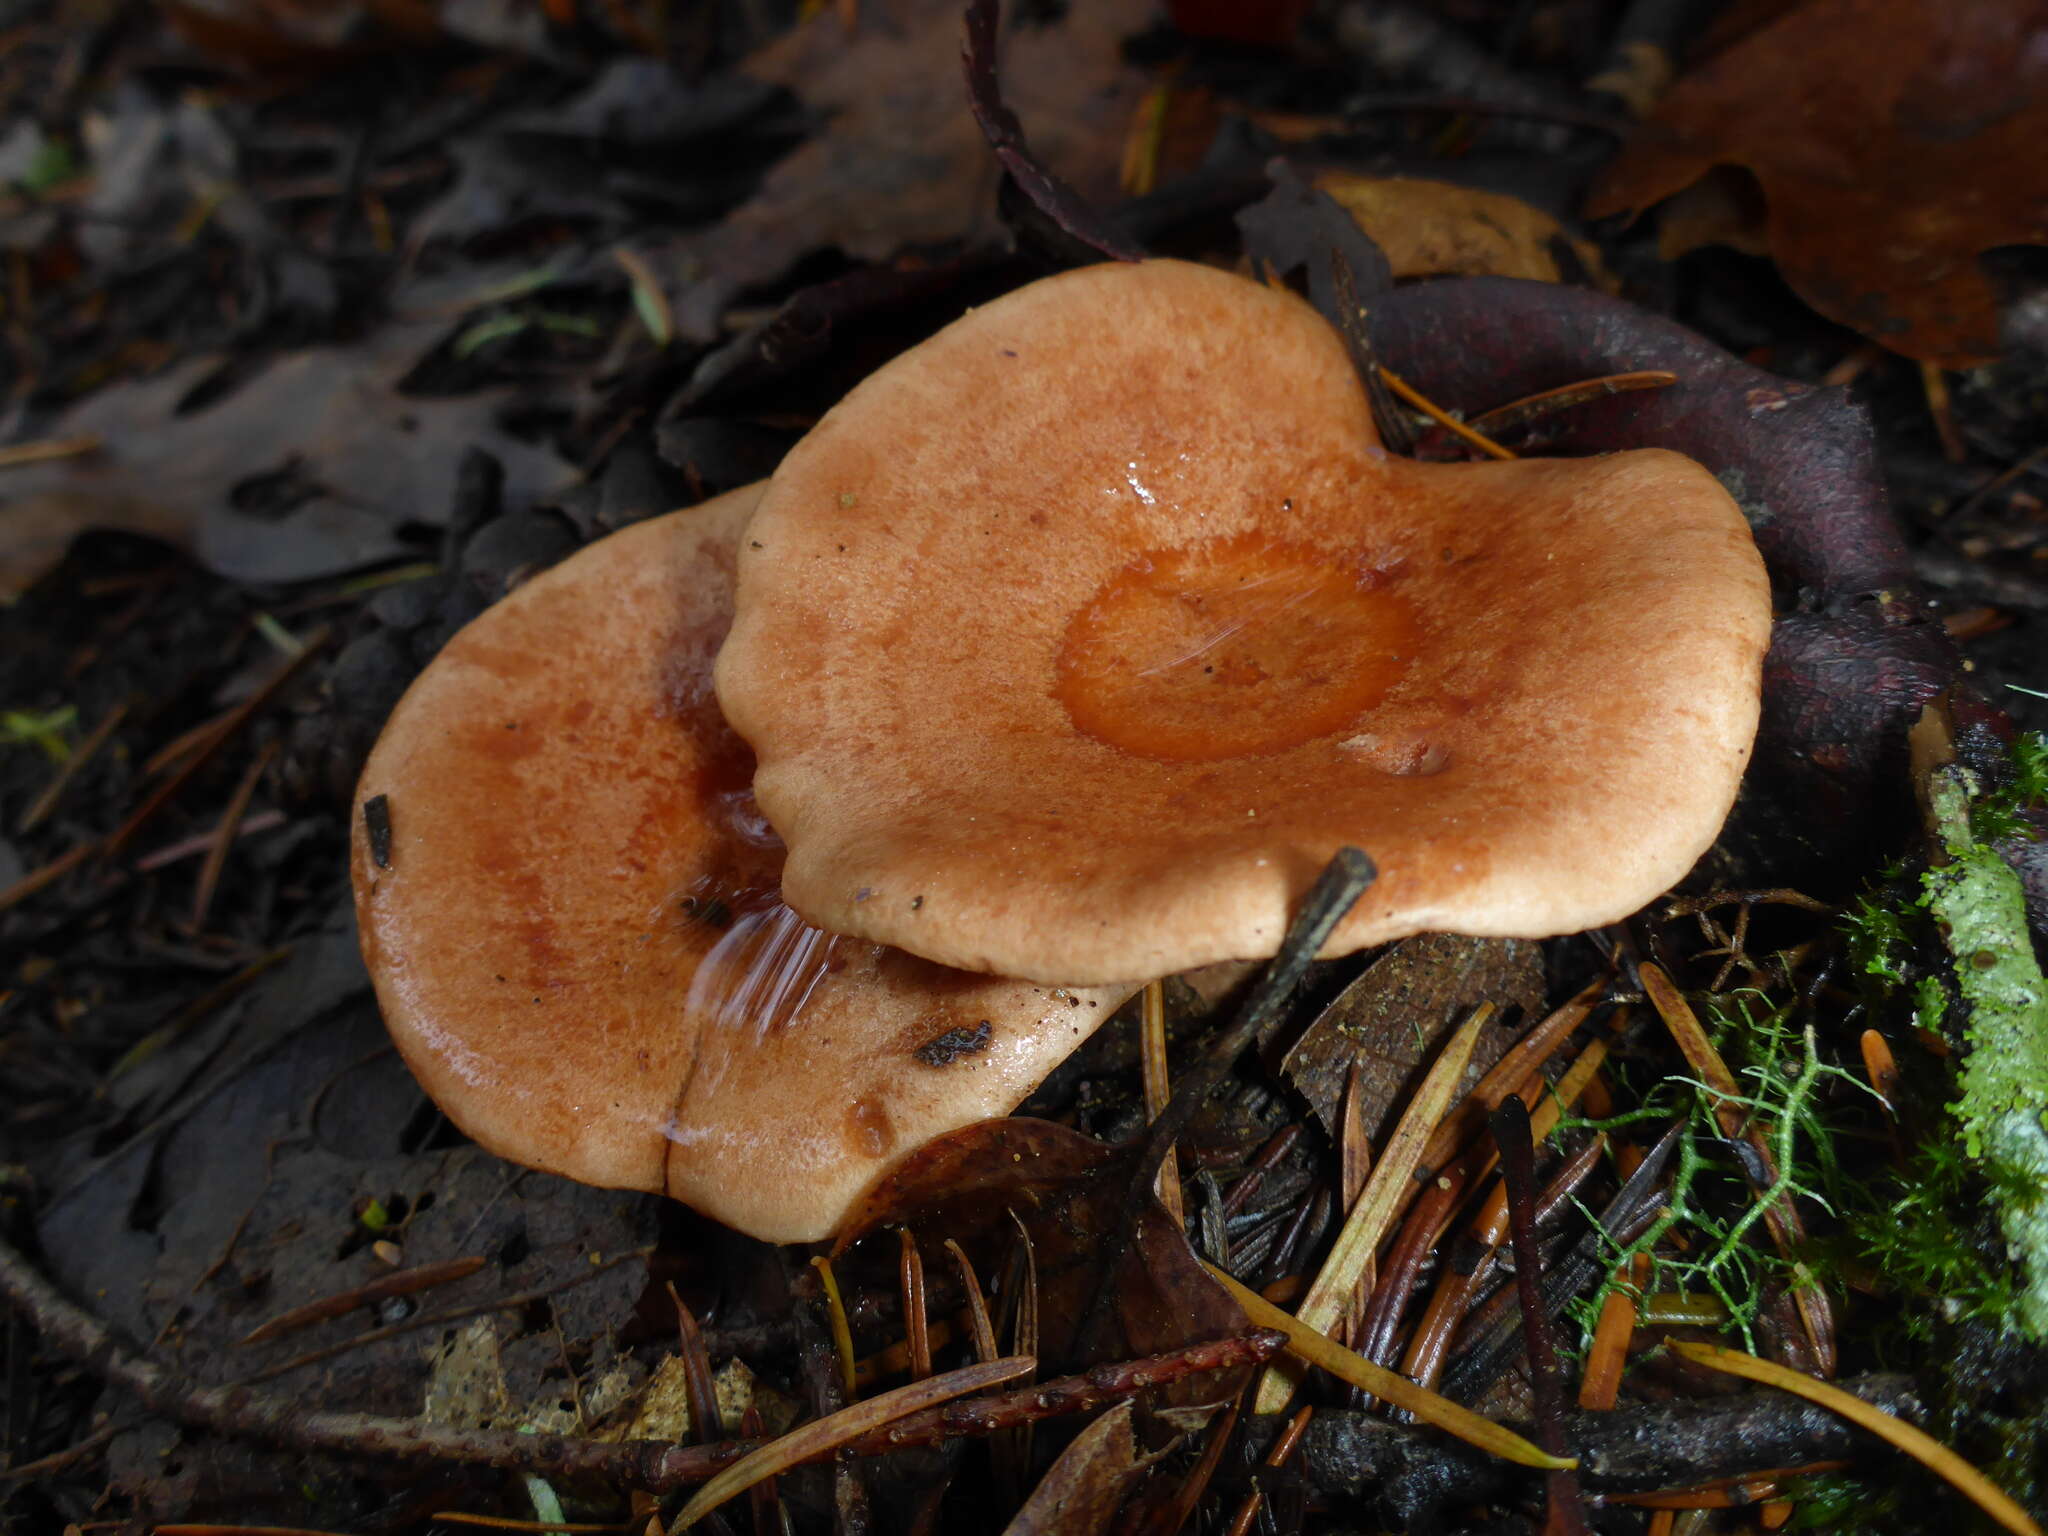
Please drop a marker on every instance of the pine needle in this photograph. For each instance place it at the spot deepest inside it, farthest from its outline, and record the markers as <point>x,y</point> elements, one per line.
<point>823,1436</point>
<point>1922,1447</point>
<point>1386,1191</point>
<point>842,1331</point>
<point>1320,1349</point>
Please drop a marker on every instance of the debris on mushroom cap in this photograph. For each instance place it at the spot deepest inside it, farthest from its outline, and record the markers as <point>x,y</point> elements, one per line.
<point>1100,620</point>
<point>566,899</point>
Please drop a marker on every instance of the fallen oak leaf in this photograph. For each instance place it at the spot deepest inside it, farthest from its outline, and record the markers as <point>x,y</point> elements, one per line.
<point>1893,141</point>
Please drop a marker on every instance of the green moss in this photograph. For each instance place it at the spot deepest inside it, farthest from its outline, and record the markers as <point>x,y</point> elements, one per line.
<point>1979,910</point>
<point>1780,1073</point>
<point>1998,813</point>
<point>1879,943</point>
<point>1843,1505</point>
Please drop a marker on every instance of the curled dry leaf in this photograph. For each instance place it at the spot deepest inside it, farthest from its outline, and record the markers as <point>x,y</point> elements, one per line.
<point>1893,141</point>
<point>1438,229</point>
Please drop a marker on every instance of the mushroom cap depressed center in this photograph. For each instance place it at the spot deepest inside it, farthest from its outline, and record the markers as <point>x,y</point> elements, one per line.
<point>573,932</point>
<point>1073,642</point>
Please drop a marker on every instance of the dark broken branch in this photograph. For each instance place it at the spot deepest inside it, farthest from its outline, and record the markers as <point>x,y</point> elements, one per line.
<point>655,1465</point>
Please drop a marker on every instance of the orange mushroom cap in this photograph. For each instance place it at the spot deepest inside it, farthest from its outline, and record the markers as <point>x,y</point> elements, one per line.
<point>573,931</point>
<point>1074,642</point>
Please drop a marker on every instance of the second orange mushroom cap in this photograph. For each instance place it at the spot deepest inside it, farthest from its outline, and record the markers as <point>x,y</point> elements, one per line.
<point>1073,643</point>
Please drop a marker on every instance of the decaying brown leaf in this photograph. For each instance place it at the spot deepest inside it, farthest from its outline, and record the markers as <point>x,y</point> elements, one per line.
<point>1437,228</point>
<point>1893,140</point>
<point>1406,1004</point>
<point>1081,1491</point>
<point>900,162</point>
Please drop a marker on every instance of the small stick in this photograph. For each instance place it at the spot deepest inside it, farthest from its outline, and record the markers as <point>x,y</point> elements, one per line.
<point>226,832</point>
<point>1386,1192</point>
<point>1510,1123</point>
<point>977,1308</point>
<point>1882,1068</point>
<point>1277,1146</point>
<point>1174,1516</point>
<point>1349,874</point>
<point>1918,1444</point>
<point>836,1432</point>
<point>1311,1217</point>
<point>1935,383</point>
<point>49,874</point>
<point>1159,1089</point>
<point>1601,1383</point>
<point>1139,173</point>
<point>916,1327</point>
<point>202,842</point>
<point>1411,1250</point>
<point>698,1386</point>
<point>1356,1156</point>
<point>46,802</point>
<point>404,1282</point>
<point>1781,1215</point>
<point>1519,413</point>
<point>894,1359</point>
<point>1098,1387</point>
<point>1430,1345</point>
<point>229,726</point>
<point>514,1302</point>
<point>44,449</point>
<point>842,1332</point>
<point>1511,1074</point>
<point>1442,417</point>
<point>1283,1447</point>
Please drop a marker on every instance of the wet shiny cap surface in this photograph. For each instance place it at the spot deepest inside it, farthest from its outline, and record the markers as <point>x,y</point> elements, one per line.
<point>567,901</point>
<point>1074,641</point>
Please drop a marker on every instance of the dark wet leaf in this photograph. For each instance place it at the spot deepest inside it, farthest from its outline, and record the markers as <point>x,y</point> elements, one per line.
<point>263,1146</point>
<point>327,426</point>
<point>1300,228</point>
<point>1893,140</point>
<point>1052,194</point>
<point>899,161</point>
<point>639,139</point>
<point>1395,1016</point>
